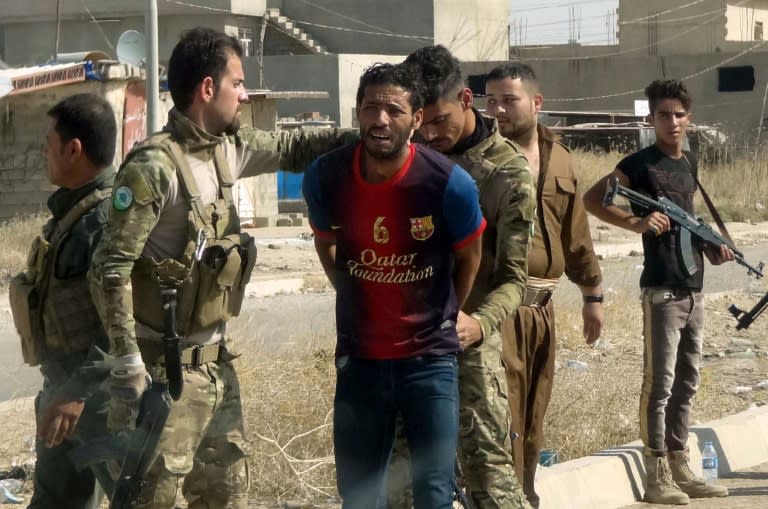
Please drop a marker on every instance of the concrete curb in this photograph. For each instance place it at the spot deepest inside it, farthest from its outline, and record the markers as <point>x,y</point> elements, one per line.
<point>613,478</point>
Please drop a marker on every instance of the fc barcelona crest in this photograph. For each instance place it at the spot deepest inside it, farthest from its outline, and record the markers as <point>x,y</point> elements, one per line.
<point>422,227</point>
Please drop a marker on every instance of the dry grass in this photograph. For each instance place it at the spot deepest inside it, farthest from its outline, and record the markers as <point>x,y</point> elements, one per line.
<point>738,188</point>
<point>287,399</point>
<point>288,395</point>
<point>17,235</point>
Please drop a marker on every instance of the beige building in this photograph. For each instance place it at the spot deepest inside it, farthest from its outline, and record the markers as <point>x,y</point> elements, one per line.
<point>473,29</point>
<point>24,187</point>
<point>682,27</point>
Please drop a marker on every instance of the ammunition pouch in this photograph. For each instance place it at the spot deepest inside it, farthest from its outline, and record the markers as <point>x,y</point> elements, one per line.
<point>209,294</point>
<point>26,305</point>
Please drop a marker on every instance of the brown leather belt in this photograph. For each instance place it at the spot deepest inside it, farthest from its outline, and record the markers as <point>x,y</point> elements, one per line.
<point>536,298</point>
<point>193,356</point>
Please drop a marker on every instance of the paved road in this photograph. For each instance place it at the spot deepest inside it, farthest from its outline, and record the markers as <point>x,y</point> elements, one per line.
<point>277,322</point>
<point>748,490</point>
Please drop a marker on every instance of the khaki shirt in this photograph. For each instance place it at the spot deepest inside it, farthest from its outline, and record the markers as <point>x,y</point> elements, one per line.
<point>562,242</point>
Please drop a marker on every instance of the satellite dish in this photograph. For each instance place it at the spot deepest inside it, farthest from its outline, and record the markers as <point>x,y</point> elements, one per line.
<point>131,48</point>
<point>6,85</point>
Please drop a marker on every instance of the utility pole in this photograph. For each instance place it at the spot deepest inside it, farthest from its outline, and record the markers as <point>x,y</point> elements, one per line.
<point>58,31</point>
<point>152,65</point>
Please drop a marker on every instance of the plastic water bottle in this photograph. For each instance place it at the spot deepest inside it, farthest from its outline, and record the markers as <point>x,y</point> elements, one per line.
<point>709,464</point>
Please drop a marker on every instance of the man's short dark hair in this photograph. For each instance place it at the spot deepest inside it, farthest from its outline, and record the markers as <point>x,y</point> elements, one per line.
<point>515,71</point>
<point>90,119</point>
<point>398,75</point>
<point>439,70</point>
<point>201,52</point>
<point>659,90</point>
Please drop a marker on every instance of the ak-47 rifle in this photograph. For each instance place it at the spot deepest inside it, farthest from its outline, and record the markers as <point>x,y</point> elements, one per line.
<point>746,318</point>
<point>137,449</point>
<point>688,225</point>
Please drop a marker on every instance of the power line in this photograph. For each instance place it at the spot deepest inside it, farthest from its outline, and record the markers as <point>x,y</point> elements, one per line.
<point>690,76</point>
<point>343,29</point>
<point>205,7</point>
<point>654,15</point>
<point>93,19</point>
<point>556,5</point>
<point>635,49</point>
<point>349,18</point>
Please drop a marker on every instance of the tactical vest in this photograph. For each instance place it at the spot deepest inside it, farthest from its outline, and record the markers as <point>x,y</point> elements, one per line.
<point>211,275</point>
<point>51,314</point>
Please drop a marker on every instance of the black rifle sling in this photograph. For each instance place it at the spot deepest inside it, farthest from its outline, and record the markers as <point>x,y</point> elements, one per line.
<point>710,205</point>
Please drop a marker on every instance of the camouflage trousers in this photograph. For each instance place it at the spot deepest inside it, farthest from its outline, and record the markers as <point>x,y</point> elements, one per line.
<point>484,446</point>
<point>202,450</point>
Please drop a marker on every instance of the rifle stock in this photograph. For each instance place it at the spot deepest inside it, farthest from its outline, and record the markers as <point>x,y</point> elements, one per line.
<point>745,318</point>
<point>141,446</point>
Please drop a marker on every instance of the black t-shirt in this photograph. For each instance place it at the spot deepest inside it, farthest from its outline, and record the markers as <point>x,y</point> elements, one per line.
<point>653,173</point>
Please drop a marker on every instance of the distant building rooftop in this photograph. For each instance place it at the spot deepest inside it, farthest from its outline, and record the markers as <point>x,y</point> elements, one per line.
<point>286,94</point>
<point>26,79</point>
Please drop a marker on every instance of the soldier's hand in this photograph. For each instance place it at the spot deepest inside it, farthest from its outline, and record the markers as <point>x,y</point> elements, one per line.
<point>127,382</point>
<point>593,317</point>
<point>59,420</point>
<point>468,329</point>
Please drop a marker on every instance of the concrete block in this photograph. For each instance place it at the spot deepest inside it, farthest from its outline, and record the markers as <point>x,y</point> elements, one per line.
<point>262,222</point>
<point>741,440</point>
<point>284,221</point>
<point>613,478</point>
<point>289,206</point>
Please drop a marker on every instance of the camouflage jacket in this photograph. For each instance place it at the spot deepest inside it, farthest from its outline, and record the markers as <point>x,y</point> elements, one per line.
<point>138,224</point>
<point>508,201</point>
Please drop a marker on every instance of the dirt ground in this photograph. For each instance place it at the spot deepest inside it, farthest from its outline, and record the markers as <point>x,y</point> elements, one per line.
<point>735,362</point>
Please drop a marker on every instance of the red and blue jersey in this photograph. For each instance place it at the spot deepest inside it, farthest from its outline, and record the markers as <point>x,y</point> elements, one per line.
<point>395,243</point>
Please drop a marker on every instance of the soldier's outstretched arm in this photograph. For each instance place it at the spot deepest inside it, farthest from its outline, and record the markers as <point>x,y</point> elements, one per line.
<point>514,234</point>
<point>294,150</point>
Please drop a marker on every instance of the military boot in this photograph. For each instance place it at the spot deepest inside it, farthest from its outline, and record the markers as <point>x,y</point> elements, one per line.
<point>693,485</point>
<point>660,487</point>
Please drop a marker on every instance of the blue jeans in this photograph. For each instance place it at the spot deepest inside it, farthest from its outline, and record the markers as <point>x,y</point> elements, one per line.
<point>369,395</point>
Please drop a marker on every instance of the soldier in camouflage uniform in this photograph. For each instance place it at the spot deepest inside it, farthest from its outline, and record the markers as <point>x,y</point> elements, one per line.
<point>173,224</point>
<point>52,307</point>
<point>452,126</point>
<point>562,244</point>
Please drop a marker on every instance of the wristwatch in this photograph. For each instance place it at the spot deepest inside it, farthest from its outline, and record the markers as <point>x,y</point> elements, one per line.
<point>593,298</point>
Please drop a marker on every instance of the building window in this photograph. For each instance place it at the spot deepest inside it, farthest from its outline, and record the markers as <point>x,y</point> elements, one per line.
<point>244,35</point>
<point>736,79</point>
<point>477,83</point>
<point>246,39</point>
<point>758,30</point>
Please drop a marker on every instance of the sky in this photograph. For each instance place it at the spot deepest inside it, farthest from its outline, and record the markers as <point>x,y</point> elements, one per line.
<point>547,21</point>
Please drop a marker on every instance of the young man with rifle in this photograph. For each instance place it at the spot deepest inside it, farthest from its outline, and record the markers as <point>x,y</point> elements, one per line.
<point>672,300</point>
